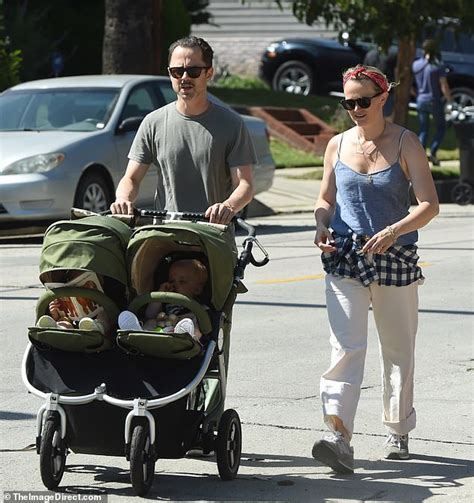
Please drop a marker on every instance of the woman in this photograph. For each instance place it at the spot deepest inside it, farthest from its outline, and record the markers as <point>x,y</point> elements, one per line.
<point>367,236</point>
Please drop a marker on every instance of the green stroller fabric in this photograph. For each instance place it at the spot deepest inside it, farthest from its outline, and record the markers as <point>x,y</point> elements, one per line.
<point>93,243</point>
<point>97,244</point>
<point>150,244</point>
<point>147,250</point>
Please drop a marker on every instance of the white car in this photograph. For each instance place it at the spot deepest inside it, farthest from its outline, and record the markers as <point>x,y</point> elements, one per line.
<point>64,142</point>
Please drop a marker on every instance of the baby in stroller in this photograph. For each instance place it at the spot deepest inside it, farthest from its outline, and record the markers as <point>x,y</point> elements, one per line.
<point>76,312</point>
<point>187,277</point>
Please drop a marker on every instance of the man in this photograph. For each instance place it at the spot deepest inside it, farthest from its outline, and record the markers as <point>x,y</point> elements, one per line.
<point>203,151</point>
<point>431,87</point>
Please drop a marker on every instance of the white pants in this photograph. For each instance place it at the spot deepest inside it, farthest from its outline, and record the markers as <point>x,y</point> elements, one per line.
<point>396,317</point>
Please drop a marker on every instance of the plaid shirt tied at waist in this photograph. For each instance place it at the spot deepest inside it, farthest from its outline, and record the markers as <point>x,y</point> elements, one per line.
<point>398,266</point>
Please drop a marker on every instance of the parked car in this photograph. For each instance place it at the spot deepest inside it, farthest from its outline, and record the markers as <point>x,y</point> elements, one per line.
<point>64,142</point>
<point>315,65</point>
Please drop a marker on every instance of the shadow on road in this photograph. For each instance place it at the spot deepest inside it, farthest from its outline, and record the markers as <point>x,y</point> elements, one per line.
<point>381,480</point>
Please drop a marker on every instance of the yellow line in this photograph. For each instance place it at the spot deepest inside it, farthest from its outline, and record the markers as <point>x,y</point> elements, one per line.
<point>290,280</point>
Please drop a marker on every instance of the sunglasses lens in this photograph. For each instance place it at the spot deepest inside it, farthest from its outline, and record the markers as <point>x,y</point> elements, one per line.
<point>348,104</point>
<point>194,71</point>
<point>364,102</point>
<point>176,72</point>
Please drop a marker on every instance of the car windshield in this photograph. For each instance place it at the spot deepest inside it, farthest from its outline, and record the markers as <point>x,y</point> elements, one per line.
<point>56,109</point>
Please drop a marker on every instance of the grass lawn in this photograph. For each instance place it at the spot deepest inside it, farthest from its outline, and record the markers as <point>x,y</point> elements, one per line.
<point>325,107</point>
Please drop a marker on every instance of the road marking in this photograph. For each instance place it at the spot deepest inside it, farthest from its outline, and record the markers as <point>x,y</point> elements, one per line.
<point>309,277</point>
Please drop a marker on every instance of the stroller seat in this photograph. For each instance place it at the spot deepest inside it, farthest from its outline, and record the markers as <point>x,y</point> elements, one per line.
<point>90,245</point>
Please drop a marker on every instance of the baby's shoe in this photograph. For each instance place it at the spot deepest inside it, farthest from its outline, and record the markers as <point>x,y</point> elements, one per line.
<point>90,324</point>
<point>186,325</point>
<point>129,321</point>
<point>46,321</point>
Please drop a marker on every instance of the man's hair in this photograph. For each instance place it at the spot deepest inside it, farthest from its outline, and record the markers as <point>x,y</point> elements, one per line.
<point>191,43</point>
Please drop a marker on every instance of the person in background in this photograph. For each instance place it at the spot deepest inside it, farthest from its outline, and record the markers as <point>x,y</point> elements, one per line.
<point>431,87</point>
<point>367,235</point>
<point>202,151</point>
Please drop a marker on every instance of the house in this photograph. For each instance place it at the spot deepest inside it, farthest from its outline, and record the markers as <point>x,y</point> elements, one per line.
<point>243,31</point>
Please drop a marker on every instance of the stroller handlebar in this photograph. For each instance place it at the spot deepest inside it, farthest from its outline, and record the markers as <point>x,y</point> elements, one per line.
<point>244,258</point>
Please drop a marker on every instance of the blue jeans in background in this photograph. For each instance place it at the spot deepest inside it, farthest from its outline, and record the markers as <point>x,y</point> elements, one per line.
<point>425,110</point>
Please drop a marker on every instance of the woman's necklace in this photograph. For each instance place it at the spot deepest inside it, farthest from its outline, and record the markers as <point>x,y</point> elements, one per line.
<point>373,155</point>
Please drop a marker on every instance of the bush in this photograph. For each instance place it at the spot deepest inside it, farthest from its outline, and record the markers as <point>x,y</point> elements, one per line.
<point>239,82</point>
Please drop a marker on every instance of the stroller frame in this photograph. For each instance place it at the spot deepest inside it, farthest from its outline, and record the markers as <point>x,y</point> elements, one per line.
<point>139,408</point>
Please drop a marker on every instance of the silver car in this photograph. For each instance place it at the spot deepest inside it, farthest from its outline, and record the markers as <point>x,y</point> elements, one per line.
<point>64,142</point>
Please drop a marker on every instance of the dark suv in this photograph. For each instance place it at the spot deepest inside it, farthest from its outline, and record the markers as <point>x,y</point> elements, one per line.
<point>315,65</point>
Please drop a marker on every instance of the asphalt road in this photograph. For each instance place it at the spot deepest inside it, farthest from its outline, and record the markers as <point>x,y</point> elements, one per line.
<point>279,349</point>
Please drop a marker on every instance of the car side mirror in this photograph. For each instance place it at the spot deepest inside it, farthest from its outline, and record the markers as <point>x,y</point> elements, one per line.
<point>129,124</point>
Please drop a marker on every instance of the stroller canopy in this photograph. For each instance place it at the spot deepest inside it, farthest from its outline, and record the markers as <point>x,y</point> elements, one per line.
<point>94,243</point>
<point>149,245</point>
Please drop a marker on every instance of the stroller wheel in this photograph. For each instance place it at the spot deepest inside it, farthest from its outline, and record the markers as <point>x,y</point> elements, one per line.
<point>462,193</point>
<point>229,445</point>
<point>52,452</point>
<point>142,460</point>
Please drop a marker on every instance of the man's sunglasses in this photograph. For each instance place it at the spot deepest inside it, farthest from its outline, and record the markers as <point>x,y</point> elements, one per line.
<point>193,71</point>
<point>363,102</point>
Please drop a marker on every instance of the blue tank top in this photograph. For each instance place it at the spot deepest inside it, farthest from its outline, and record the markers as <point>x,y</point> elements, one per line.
<point>367,203</point>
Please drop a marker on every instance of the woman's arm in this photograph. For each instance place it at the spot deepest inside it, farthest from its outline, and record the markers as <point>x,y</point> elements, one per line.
<point>327,198</point>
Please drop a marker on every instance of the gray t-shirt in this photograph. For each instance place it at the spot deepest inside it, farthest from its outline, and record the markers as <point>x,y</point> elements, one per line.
<point>193,155</point>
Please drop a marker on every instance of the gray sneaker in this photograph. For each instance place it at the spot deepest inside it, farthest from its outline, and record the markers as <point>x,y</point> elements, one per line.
<point>396,447</point>
<point>334,450</point>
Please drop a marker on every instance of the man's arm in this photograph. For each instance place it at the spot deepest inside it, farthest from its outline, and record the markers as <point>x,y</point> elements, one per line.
<point>128,187</point>
<point>242,181</point>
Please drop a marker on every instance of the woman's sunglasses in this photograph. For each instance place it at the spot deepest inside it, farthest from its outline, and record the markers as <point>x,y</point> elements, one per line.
<point>363,102</point>
<point>193,71</point>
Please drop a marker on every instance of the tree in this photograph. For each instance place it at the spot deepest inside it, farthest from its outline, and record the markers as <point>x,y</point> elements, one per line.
<point>128,42</point>
<point>387,21</point>
<point>137,34</point>
<point>10,59</point>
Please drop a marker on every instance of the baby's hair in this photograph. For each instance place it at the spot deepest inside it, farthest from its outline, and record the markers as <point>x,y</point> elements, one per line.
<point>195,265</point>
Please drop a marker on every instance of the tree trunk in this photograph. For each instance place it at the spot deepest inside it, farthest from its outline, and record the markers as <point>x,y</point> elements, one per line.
<point>128,45</point>
<point>406,55</point>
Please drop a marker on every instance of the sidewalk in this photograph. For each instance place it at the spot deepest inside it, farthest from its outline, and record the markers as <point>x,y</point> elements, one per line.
<point>298,196</point>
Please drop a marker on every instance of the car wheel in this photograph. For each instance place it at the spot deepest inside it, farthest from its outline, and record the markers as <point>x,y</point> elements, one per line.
<point>293,77</point>
<point>93,193</point>
<point>463,96</point>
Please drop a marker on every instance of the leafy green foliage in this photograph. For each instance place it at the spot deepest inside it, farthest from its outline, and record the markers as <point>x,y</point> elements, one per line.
<point>10,59</point>
<point>239,82</point>
<point>383,20</point>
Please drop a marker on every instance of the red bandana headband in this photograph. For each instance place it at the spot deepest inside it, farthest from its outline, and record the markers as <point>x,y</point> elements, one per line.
<point>375,77</point>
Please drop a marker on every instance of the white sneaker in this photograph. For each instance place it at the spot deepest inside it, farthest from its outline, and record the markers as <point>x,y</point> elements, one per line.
<point>335,451</point>
<point>185,325</point>
<point>46,321</point>
<point>129,321</point>
<point>87,323</point>
<point>396,447</point>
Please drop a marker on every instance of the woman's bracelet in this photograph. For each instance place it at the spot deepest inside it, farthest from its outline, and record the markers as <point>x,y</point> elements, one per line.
<point>392,233</point>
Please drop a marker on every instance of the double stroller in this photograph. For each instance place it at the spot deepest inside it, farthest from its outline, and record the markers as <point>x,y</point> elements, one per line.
<point>145,395</point>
